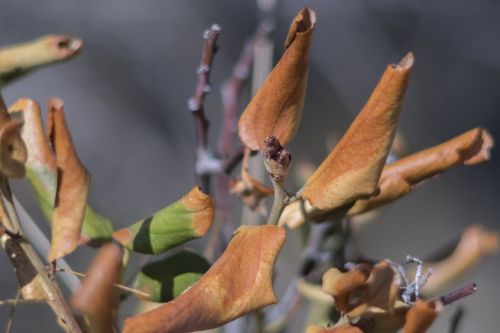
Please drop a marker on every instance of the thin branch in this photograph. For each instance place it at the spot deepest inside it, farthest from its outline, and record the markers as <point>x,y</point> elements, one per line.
<point>30,270</point>
<point>12,312</point>
<point>117,285</point>
<point>457,294</point>
<point>205,162</point>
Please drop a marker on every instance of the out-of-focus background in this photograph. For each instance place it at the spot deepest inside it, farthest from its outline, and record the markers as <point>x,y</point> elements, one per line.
<point>125,98</point>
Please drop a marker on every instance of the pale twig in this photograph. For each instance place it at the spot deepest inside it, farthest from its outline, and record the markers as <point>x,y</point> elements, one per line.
<point>117,285</point>
<point>206,163</point>
<point>12,311</point>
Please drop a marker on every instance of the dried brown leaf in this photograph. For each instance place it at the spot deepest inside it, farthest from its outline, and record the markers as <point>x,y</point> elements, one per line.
<point>363,287</point>
<point>98,297</point>
<point>421,316</point>
<point>400,177</point>
<point>277,107</point>
<point>353,168</point>
<point>13,151</point>
<point>475,244</point>
<point>345,287</point>
<point>72,187</point>
<point>239,282</point>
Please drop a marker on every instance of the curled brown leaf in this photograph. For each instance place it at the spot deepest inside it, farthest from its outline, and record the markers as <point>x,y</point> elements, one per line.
<point>239,282</point>
<point>475,244</point>
<point>13,151</point>
<point>72,187</point>
<point>98,297</point>
<point>277,107</point>
<point>352,170</point>
<point>421,316</point>
<point>400,177</point>
<point>363,287</point>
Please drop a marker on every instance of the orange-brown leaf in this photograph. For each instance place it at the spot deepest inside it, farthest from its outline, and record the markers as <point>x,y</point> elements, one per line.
<point>342,286</point>
<point>475,244</point>
<point>353,168</point>
<point>421,316</point>
<point>277,107</point>
<point>98,297</point>
<point>72,187</point>
<point>239,282</point>
<point>400,177</point>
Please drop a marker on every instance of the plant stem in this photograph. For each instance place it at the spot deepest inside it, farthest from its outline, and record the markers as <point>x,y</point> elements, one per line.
<point>280,197</point>
<point>31,273</point>
<point>206,163</point>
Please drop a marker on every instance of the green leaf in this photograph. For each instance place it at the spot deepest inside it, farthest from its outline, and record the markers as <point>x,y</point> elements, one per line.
<point>187,219</point>
<point>166,279</point>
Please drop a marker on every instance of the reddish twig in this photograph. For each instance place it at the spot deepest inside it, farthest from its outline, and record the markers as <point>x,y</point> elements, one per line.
<point>457,294</point>
<point>231,92</point>
<point>205,162</point>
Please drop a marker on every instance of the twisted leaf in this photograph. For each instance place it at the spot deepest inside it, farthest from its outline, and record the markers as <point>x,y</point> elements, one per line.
<point>165,279</point>
<point>353,168</point>
<point>72,187</point>
<point>277,107</point>
<point>41,171</point>
<point>182,221</point>
<point>238,283</point>
<point>400,177</point>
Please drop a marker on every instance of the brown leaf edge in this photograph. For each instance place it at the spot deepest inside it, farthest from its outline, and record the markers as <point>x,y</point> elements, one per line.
<point>72,187</point>
<point>352,170</point>
<point>240,281</point>
<point>276,109</point>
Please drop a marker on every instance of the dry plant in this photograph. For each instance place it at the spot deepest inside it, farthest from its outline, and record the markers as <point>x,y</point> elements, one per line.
<point>348,294</point>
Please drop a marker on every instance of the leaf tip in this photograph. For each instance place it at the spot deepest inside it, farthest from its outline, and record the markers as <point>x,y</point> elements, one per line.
<point>202,205</point>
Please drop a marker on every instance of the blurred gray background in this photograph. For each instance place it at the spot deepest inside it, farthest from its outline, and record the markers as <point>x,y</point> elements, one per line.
<point>125,98</point>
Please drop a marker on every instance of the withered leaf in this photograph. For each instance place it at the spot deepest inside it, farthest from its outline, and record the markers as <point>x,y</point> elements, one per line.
<point>475,244</point>
<point>13,151</point>
<point>240,281</point>
<point>98,297</point>
<point>41,164</point>
<point>352,170</point>
<point>421,316</point>
<point>41,171</point>
<point>363,287</point>
<point>72,185</point>
<point>400,177</point>
<point>277,107</point>
<point>188,218</point>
